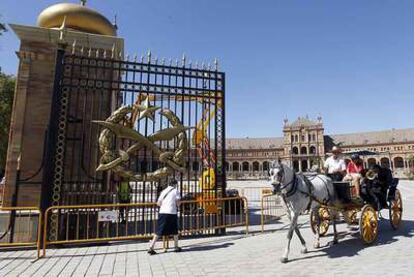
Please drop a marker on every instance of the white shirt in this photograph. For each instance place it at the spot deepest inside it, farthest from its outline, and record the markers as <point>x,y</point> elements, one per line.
<point>168,200</point>
<point>334,165</point>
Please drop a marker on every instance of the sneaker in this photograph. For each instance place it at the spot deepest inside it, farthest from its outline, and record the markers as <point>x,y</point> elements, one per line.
<point>177,249</point>
<point>151,251</point>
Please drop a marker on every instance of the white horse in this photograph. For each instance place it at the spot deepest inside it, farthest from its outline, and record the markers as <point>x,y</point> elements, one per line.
<point>299,195</point>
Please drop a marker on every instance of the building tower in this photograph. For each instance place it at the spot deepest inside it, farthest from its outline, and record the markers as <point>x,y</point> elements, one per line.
<point>303,143</point>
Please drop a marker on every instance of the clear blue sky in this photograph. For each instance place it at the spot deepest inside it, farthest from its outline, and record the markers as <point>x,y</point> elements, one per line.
<point>351,61</point>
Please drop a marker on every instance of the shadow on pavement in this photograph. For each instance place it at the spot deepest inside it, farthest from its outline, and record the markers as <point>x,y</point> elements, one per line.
<point>353,245</point>
<point>207,247</point>
<point>255,218</point>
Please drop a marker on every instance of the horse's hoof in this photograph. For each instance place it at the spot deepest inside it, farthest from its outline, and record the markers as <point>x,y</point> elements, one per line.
<point>304,250</point>
<point>316,245</point>
<point>284,260</point>
<point>331,243</point>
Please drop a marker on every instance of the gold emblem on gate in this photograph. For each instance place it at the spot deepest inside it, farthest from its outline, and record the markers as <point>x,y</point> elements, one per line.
<point>121,125</point>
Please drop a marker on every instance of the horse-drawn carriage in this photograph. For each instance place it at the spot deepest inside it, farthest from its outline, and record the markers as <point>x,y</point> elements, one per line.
<point>362,208</point>
<point>359,206</point>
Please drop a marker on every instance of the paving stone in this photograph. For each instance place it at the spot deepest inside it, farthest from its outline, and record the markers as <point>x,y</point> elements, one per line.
<point>236,255</point>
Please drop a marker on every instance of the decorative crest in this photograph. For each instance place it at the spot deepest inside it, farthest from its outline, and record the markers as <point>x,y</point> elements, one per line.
<point>122,126</point>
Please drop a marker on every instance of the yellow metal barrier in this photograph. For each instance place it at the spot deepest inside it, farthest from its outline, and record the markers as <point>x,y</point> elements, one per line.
<point>253,194</point>
<point>98,223</point>
<point>24,233</point>
<point>114,222</point>
<point>271,208</point>
<point>231,212</point>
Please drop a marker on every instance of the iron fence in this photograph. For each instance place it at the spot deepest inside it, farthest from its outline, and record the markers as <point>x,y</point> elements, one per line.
<point>91,86</point>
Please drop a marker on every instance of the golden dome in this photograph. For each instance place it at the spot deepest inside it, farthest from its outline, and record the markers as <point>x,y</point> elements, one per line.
<point>78,17</point>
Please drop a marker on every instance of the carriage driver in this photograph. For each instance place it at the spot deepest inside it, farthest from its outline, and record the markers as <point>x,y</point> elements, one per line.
<point>335,166</point>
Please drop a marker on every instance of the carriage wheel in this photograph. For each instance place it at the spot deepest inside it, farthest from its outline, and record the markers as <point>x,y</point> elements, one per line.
<point>368,224</point>
<point>350,216</point>
<point>396,208</point>
<point>322,216</point>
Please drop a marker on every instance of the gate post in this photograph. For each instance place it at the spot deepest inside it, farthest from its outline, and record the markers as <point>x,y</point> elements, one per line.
<point>51,133</point>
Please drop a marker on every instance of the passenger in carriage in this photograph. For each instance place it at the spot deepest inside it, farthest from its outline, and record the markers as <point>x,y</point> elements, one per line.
<point>335,166</point>
<point>354,172</point>
<point>380,181</point>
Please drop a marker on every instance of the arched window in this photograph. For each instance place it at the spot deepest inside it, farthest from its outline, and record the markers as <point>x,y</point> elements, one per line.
<point>385,162</point>
<point>236,166</point>
<point>304,164</point>
<point>313,137</point>
<point>265,166</point>
<point>295,150</point>
<point>312,150</point>
<point>304,150</point>
<point>296,166</point>
<point>255,166</point>
<point>398,162</point>
<point>296,138</point>
<point>245,166</point>
<point>292,138</point>
<point>371,161</point>
<point>227,166</point>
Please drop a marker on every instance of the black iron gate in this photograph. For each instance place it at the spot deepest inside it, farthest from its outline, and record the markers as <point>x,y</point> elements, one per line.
<point>90,86</point>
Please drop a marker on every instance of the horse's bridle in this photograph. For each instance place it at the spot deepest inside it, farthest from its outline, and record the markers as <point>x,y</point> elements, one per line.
<point>280,186</point>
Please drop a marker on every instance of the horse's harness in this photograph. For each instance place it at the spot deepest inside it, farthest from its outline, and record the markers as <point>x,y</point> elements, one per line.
<point>294,188</point>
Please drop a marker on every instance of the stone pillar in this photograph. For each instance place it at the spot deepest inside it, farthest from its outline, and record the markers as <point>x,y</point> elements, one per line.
<point>30,116</point>
<point>32,105</point>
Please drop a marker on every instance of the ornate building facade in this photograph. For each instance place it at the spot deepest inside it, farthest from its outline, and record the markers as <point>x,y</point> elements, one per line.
<point>305,145</point>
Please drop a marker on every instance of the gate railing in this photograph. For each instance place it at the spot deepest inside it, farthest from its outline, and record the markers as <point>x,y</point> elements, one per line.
<point>271,208</point>
<point>115,222</point>
<point>99,223</point>
<point>22,226</point>
<point>209,215</point>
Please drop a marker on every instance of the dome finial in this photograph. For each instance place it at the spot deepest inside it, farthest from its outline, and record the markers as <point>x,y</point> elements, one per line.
<point>79,18</point>
<point>115,24</point>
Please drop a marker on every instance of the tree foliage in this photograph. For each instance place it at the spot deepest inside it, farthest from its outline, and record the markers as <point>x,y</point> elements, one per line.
<point>7,83</point>
<point>2,28</point>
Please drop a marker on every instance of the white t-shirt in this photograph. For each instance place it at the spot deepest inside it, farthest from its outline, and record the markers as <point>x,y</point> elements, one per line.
<point>168,200</point>
<point>334,165</point>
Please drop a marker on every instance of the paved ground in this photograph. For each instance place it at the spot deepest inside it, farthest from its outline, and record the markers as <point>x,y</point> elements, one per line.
<point>235,255</point>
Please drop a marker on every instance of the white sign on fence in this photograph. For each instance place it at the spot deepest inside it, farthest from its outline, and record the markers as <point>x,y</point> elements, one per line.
<point>108,216</point>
